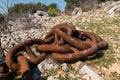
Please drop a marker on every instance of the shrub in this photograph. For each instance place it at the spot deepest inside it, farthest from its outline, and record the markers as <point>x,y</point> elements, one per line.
<point>24,8</point>
<point>51,12</point>
<point>1,18</point>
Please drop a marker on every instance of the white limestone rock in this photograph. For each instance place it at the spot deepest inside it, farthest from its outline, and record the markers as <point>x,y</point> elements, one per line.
<point>88,73</point>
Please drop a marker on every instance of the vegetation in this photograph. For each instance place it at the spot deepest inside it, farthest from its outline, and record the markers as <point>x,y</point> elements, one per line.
<point>101,27</point>
<point>1,18</point>
<point>32,8</point>
<point>109,29</point>
<point>84,4</point>
<point>24,8</point>
<point>53,6</point>
<point>53,10</point>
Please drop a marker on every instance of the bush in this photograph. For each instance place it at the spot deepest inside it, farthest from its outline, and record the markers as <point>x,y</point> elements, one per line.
<point>19,9</point>
<point>53,10</point>
<point>1,18</point>
<point>24,8</point>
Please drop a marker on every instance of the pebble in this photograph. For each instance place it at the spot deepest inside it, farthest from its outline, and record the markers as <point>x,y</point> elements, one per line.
<point>56,77</point>
<point>89,74</point>
<point>64,67</point>
<point>47,64</point>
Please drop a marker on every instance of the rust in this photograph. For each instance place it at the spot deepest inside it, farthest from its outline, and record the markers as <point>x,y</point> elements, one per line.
<point>33,58</point>
<point>71,40</point>
<point>102,44</point>
<point>76,55</point>
<point>67,27</point>
<point>4,73</point>
<point>9,57</point>
<point>49,40</point>
<point>54,48</point>
<point>24,65</point>
<point>1,68</point>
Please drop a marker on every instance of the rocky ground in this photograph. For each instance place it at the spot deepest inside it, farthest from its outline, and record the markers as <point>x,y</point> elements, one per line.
<point>100,21</point>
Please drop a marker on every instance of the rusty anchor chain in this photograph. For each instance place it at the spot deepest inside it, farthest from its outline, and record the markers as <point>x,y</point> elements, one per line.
<point>63,42</point>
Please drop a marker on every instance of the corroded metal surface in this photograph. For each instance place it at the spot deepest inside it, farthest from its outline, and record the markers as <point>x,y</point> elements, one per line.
<point>54,48</point>
<point>64,42</point>
<point>11,53</point>
<point>102,44</point>
<point>5,74</point>
<point>20,64</point>
<point>33,58</point>
<point>76,55</point>
<point>72,40</point>
<point>23,61</point>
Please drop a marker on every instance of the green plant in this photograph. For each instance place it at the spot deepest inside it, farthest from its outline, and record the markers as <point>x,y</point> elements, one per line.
<point>51,12</point>
<point>29,7</point>
<point>104,61</point>
<point>1,18</point>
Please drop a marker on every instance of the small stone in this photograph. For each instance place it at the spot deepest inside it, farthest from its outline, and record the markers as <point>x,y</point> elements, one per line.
<point>56,77</point>
<point>47,64</point>
<point>72,75</point>
<point>89,74</point>
<point>65,67</point>
<point>77,65</point>
<point>115,67</point>
<point>61,73</point>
